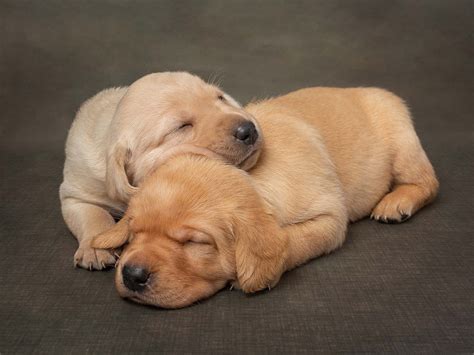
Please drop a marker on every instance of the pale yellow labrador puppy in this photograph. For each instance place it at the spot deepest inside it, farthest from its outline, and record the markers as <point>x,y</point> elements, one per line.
<point>329,156</point>
<point>120,135</point>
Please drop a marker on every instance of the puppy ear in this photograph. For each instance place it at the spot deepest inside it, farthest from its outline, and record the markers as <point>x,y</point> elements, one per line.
<point>115,237</point>
<point>117,180</point>
<point>261,252</point>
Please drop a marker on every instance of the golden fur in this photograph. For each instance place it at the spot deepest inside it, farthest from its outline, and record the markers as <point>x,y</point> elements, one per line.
<point>329,156</point>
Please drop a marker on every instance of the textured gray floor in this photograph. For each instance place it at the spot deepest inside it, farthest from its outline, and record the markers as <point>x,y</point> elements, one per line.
<point>391,288</point>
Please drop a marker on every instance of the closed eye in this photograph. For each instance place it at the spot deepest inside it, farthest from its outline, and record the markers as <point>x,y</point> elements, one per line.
<point>221,97</point>
<point>198,242</point>
<point>185,125</point>
<point>200,249</point>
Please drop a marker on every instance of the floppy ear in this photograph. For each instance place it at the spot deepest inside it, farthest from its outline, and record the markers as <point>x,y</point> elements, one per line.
<point>261,251</point>
<point>116,179</point>
<point>115,237</point>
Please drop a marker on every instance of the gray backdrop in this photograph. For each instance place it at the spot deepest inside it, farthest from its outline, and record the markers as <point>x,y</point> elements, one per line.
<point>391,288</point>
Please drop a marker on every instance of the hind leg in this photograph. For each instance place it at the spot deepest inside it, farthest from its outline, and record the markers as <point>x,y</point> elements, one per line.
<point>400,204</point>
<point>414,180</point>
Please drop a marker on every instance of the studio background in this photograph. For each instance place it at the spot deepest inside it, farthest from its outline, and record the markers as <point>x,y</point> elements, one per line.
<point>391,288</point>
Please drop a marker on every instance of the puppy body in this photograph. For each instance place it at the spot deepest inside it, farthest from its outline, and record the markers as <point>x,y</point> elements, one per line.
<point>329,156</point>
<point>367,134</point>
<point>86,151</point>
<point>336,155</point>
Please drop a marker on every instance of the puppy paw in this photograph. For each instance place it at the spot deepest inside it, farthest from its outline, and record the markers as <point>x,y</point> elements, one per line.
<point>89,258</point>
<point>393,208</point>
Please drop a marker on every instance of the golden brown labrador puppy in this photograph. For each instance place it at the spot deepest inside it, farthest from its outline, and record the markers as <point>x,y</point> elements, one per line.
<point>186,226</point>
<point>120,135</point>
<point>329,156</point>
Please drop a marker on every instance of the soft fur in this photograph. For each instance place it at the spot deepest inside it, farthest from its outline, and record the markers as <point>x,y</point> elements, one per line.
<point>329,156</point>
<point>120,135</point>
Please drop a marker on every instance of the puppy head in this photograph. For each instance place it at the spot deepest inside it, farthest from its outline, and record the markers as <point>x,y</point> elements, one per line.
<point>194,225</point>
<point>169,113</point>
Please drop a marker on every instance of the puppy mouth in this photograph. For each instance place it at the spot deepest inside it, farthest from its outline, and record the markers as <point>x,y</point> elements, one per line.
<point>246,163</point>
<point>151,300</point>
<point>247,158</point>
<point>135,299</point>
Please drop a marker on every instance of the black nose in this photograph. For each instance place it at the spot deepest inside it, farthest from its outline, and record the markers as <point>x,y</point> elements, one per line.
<point>246,133</point>
<point>135,277</point>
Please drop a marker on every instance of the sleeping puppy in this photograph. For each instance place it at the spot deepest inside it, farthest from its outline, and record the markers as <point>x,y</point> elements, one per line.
<point>120,135</point>
<point>189,228</point>
<point>329,156</point>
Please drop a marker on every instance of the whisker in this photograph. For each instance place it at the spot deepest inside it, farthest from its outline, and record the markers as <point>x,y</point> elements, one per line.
<point>215,79</point>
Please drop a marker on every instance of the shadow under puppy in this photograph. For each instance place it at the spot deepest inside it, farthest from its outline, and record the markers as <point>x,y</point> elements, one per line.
<point>329,156</point>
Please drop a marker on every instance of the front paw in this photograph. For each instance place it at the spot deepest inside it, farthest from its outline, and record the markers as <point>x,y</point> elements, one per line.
<point>89,258</point>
